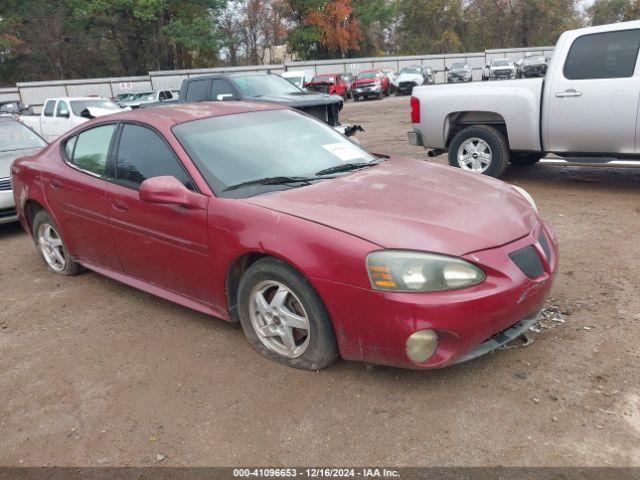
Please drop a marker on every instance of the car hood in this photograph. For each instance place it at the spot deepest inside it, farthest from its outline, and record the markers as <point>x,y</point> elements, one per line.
<point>302,99</point>
<point>409,77</point>
<point>501,68</point>
<point>7,158</point>
<point>407,203</point>
<point>364,81</point>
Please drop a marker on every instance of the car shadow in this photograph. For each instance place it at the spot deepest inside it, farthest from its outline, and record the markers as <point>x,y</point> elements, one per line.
<point>9,230</point>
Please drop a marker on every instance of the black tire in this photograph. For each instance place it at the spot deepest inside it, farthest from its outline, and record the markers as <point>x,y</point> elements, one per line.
<point>387,92</point>
<point>356,98</point>
<point>496,141</point>
<point>524,159</point>
<point>322,348</point>
<point>40,221</point>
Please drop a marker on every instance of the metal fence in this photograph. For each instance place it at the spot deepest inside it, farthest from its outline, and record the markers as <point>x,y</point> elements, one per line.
<point>35,93</point>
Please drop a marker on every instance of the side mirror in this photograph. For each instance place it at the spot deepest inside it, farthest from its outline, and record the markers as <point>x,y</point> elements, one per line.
<point>225,97</point>
<point>168,190</point>
<point>64,114</point>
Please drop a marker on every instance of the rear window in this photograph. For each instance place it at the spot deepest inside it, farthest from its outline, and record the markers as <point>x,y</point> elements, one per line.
<point>603,55</point>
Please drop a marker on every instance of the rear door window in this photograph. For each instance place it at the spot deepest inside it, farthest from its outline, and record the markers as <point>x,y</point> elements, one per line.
<point>89,149</point>
<point>143,154</point>
<point>603,55</point>
<point>197,90</point>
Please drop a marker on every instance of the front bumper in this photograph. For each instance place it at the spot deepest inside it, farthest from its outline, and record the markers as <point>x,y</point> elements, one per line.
<point>502,75</point>
<point>366,91</point>
<point>373,326</point>
<point>458,79</point>
<point>7,207</point>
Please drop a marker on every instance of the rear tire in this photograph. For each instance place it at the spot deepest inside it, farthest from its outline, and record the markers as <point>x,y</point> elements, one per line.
<point>524,159</point>
<point>51,246</point>
<point>480,148</point>
<point>272,298</point>
<point>356,98</point>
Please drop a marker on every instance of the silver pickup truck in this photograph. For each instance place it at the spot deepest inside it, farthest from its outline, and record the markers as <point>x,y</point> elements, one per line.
<point>587,107</point>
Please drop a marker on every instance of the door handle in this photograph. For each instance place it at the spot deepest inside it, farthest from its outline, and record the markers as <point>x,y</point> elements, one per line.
<point>120,205</point>
<point>569,93</point>
<point>55,184</point>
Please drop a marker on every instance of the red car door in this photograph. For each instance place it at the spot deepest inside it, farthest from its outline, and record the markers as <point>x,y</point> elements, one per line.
<point>76,191</point>
<point>165,245</point>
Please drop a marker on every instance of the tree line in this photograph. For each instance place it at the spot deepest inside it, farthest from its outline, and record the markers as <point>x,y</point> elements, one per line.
<point>62,39</point>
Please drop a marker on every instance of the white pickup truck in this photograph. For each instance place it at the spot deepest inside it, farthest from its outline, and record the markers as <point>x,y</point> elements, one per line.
<point>586,107</point>
<point>60,115</point>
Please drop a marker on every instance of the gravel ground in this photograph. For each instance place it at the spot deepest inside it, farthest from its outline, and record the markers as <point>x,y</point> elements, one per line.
<point>97,373</point>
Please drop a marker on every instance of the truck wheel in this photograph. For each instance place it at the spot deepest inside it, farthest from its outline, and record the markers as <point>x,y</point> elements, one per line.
<point>480,149</point>
<point>524,159</point>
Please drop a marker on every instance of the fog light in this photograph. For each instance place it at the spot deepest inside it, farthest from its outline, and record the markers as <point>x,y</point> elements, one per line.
<point>421,345</point>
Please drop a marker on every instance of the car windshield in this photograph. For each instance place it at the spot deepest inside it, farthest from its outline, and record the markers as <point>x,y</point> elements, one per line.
<point>346,76</point>
<point>501,63</point>
<point>233,149</point>
<point>459,66</point>
<point>78,106</point>
<point>16,136</point>
<point>261,85</point>
<point>534,60</point>
<point>417,70</point>
<point>323,78</point>
<point>368,75</point>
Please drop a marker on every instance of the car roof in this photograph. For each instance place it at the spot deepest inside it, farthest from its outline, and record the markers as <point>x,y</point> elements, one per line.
<point>176,113</point>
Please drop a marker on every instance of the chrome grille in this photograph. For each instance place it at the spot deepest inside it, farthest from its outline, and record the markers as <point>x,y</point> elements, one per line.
<point>5,184</point>
<point>528,261</point>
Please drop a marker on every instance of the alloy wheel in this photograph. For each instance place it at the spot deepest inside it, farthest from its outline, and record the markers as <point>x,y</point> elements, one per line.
<point>474,154</point>
<point>279,319</point>
<point>50,245</point>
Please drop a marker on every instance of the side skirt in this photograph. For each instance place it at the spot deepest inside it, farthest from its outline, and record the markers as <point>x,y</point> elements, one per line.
<point>159,291</point>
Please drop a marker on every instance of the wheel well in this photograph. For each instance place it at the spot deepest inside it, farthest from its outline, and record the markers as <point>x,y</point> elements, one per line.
<point>232,282</point>
<point>31,208</point>
<point>459,120</point>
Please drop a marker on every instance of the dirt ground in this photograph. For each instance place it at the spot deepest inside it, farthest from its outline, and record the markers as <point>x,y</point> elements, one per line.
<point>96,373</point>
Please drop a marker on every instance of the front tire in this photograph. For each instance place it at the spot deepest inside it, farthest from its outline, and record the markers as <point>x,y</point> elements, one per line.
<point>480,149</point>
<point>283,317</point>
<point>51,247</point>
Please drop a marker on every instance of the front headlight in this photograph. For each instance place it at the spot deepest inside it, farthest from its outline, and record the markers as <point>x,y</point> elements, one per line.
<point>527,196</point>
<point>407,271</point>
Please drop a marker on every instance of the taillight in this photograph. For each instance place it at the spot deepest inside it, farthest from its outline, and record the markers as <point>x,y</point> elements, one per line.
<point>415,110</point>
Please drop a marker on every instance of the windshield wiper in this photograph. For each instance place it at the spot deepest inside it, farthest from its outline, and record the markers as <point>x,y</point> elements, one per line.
<point>345,167</point>
<point>271,181</point>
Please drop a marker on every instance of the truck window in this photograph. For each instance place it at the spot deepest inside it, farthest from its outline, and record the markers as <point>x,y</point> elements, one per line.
<point>221,87</point>
<point>62,110</point>
<point>603,55</point>
<point>197,90</point>
<point>48,108</point>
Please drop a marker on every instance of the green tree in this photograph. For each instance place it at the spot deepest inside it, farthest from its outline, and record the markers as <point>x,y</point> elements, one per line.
<point>602,12</point>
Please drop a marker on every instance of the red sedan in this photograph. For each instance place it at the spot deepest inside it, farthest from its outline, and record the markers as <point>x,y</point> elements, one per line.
<point>260,214</point>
